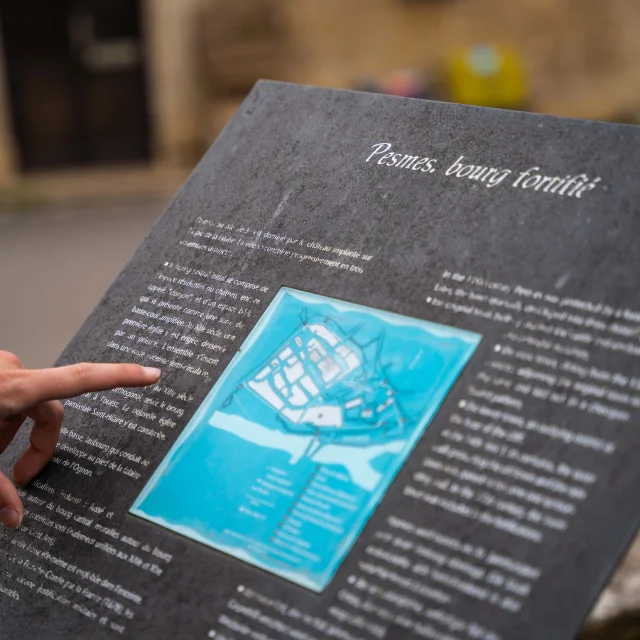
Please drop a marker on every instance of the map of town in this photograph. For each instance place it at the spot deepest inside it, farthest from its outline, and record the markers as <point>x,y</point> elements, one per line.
<point>320,381</point>
<point>296,444</point>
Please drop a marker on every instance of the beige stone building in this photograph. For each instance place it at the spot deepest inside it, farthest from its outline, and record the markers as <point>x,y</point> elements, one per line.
<point>101,82</point>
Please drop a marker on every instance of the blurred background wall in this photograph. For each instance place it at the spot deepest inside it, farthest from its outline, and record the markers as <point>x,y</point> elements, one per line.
<point>86,83</point>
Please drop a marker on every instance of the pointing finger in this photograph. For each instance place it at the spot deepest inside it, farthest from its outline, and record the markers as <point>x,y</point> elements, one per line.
<point>21,389</point>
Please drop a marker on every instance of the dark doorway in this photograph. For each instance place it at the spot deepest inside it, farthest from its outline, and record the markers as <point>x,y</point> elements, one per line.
<point>77,81</point>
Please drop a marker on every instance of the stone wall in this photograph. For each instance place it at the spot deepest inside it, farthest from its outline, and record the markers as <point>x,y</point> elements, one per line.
<point>583,55</point>
<point>176,97</point>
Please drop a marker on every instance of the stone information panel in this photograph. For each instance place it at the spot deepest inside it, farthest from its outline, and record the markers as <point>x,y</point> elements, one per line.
<point>400,393</point>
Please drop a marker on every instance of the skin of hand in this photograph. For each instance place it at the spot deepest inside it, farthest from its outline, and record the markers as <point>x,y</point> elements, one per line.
<point>35,394</point>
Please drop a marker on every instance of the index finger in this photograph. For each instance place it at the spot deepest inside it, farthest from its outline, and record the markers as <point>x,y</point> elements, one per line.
<point>26,388</point>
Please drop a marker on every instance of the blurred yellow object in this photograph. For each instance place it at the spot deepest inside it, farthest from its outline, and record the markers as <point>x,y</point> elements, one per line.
<point>488,76</point>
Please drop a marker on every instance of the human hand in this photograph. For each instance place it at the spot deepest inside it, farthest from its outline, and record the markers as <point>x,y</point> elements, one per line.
<point>34,394</point>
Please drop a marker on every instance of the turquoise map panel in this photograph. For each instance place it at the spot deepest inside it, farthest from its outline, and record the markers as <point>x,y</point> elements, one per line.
<point>286,459</point>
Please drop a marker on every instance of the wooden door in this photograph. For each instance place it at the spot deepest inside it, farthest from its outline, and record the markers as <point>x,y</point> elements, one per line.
<point>76,80</point>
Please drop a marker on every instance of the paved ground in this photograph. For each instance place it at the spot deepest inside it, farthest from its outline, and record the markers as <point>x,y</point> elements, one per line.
<point>89,185</point>
<point>54,267</point>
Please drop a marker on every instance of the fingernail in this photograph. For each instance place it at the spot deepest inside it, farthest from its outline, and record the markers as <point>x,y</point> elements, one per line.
<point>152,372</point>
<point>10,517</point>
